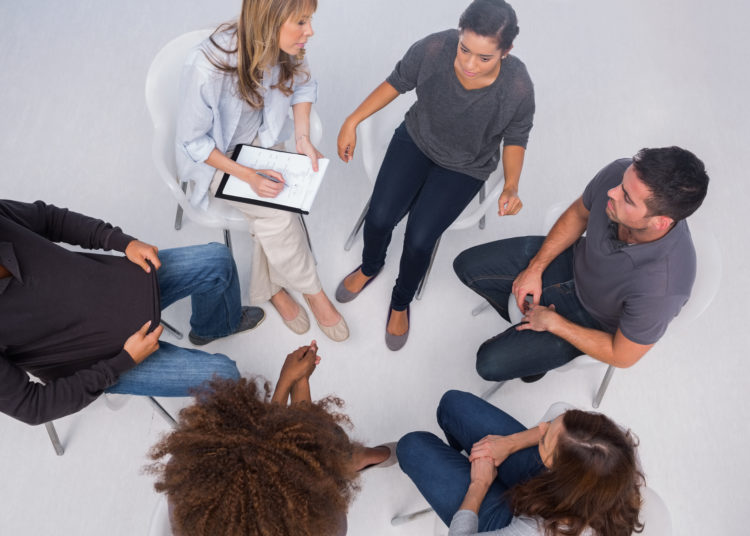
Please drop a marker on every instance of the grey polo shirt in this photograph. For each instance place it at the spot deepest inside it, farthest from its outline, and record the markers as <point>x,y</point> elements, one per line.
<point>638,288</point>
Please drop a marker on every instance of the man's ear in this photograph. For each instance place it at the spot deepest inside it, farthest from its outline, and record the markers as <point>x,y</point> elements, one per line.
<point>662,223</point>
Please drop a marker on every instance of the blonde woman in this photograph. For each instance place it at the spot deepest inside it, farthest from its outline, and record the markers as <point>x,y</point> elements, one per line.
<point>237,88</point>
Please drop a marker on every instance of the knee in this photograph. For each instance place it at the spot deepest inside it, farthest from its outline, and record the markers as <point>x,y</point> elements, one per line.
<point>461,265</point>
<point>449,402</point>
<point>225,368</point>
<point>409,449</point>
<point>420,242</point>
<point>220,261</point>
<point>489,362</point>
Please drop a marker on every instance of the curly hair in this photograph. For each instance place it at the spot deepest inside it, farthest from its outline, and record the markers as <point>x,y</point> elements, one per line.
<point>594,481</point>
<point>241,465</point>
<point>256,33</point>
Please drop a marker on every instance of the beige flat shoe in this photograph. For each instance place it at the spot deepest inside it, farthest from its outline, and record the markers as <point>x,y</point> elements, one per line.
<point>299,324</point>
<point>337,332</point>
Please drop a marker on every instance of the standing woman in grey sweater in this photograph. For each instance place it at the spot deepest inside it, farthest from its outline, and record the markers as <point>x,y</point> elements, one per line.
<point>472,96</point>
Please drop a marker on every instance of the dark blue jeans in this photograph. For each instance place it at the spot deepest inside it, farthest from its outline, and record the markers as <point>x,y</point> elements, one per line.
<point>489,270</point>
<point>208,275</point>
<point>442,474</point>
<point>409,182</point>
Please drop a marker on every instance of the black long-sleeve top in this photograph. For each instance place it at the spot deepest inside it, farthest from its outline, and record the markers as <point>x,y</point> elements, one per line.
<point>64,315</point>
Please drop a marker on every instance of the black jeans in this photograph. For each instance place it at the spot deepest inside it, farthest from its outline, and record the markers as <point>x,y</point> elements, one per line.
<point>433,196</point>
<point>489,270</point>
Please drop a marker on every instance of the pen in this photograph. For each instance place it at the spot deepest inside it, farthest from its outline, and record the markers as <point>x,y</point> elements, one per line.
<point>272,179</point>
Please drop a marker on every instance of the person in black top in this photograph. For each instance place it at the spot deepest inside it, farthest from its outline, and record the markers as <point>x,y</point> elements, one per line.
<point>81,322</point>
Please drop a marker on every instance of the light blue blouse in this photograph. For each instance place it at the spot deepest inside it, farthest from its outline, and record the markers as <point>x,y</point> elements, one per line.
<point>210,109</point>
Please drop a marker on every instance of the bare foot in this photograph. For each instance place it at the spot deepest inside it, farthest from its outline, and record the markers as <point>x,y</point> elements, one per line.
<point>366,456</point>
<point>323,309</point>
<point>399,322</point>
<point>354,282</point>
<point>285,305</point>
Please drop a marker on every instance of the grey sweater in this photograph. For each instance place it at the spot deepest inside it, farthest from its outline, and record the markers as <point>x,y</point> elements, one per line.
<point>465,523</point>
<point>459,129</point>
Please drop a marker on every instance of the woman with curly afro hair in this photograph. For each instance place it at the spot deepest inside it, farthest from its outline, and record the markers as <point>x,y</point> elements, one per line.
<point>243,462</point>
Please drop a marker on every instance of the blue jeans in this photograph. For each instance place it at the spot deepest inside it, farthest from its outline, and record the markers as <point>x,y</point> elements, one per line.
<point>208,275</point>
<point>489,270</point>
<point>433,196</point>
<point>442,474</point>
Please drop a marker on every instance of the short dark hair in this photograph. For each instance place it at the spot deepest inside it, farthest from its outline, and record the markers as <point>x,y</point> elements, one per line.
<point>491,18</point>
<point>677,180</point>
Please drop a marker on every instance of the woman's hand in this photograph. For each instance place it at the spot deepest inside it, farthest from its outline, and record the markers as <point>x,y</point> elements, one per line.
<point>509,203</point>
<point>263,186</point>
<point>483,472</point>
<point>305,146</point>
<point>492,446</point>
<point>347,141</point>
<point>300,364</point>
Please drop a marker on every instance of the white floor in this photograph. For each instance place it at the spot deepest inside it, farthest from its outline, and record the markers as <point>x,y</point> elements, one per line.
<point>610,78</point>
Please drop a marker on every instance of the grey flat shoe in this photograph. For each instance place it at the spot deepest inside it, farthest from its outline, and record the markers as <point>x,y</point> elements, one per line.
<point>251,319</point>
<point>396,342</point>
<point>344,295</point>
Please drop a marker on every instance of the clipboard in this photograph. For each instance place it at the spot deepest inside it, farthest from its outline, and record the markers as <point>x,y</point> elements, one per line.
<point>302,183</point>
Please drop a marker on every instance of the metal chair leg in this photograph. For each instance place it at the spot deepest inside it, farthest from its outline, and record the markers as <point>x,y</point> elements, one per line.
<point>480,308</point>
<point>178,216</point>
<point>420,288</point>
<point>163,412</point>
<point>603,387</point>
<point>482,195</point>
<point>491,390</point>
<point>307,235</point>
<point>357,226</point>
<point>228,241</point>
<point>177,334</point>
<point>405,518</point>
<point>59,450</point>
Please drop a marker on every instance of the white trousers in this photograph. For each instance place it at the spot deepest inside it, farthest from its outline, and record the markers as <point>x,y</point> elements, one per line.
<point>281,254</point>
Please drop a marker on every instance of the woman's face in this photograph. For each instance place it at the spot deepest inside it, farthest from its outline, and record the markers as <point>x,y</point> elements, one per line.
<point>551,432</point>
<point>477,57</point>
<point>294,33</point>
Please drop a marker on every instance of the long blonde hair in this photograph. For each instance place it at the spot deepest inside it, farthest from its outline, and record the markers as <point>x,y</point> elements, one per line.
<point>256,33</point>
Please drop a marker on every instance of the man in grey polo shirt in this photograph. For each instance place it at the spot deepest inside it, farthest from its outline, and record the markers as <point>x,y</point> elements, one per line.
<point>609,294</point>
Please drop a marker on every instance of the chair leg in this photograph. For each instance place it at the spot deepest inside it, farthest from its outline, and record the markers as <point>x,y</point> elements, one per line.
<point>163,412</point>
<point>307,235</point>
<point>59,450</point>
<point>603,386</point>
<point>405,518</point>
<point>357,226</point>
<point>228,241</point>
<point>422,283</point>
<point>178,216</point>
<point>482,195</point>
<point>480,308</point>
<point>491,390</point>
<point>177,334</point>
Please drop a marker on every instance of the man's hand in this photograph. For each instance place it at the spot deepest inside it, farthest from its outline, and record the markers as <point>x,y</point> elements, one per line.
<point>140,345</point>
<point>527,282</point>
<point>493,446</point>
<point>509,204</point>
<point>299,364</point>
<point>539,318</point>
<point>483,471</point>
<point>139,252</point>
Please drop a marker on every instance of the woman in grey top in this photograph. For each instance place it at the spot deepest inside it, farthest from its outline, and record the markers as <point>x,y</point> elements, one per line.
<point>471,97</point>
<point>576,475</point>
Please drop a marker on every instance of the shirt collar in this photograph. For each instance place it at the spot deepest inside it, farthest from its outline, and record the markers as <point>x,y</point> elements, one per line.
<point>8,259</point>
<point>642,254</point>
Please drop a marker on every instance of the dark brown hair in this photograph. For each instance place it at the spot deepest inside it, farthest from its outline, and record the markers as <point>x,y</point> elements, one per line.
<point>594,481</point>
<point>491,18</point>
<point>256,34</point>
<point>241,465</point>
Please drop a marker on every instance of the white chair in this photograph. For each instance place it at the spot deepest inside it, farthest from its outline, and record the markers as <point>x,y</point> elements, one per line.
<point>159,524</point>
<point>162,100</point>
<point>375,134</point>
<point>705,288</point>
